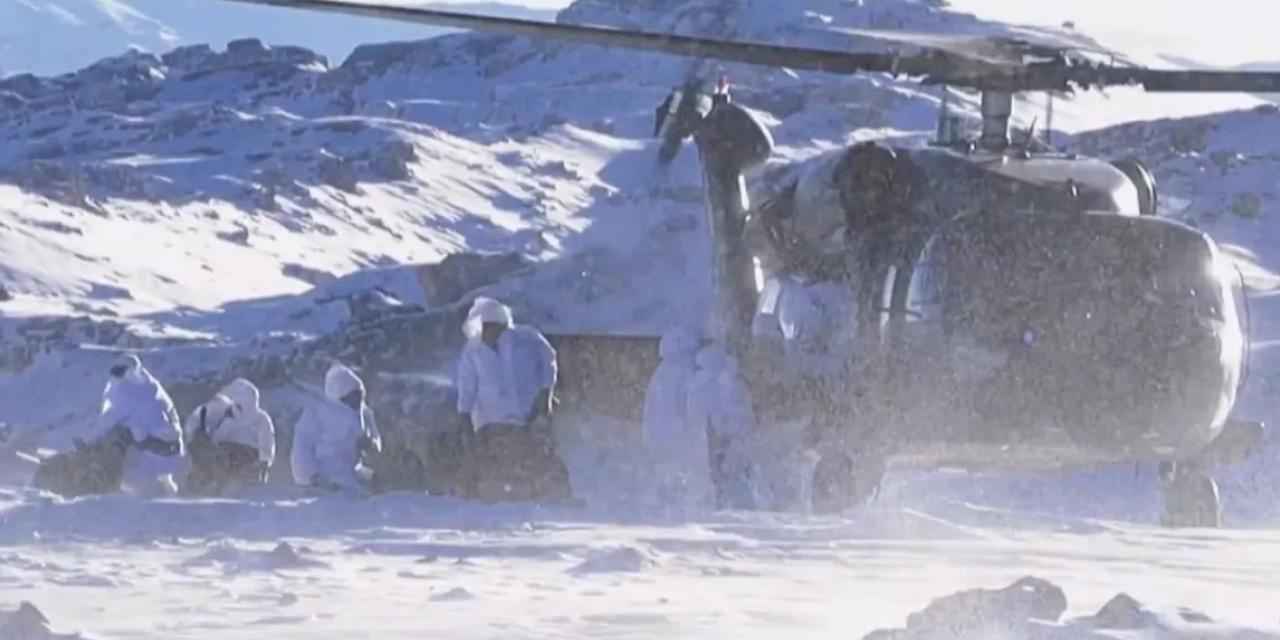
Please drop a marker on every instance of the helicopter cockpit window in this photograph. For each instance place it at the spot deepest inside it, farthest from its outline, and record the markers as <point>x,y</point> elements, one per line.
<point>1091,199</point>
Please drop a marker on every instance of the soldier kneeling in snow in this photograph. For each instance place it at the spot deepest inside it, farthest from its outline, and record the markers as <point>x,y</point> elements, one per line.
<point>231,441</point>
<point>333,437</point>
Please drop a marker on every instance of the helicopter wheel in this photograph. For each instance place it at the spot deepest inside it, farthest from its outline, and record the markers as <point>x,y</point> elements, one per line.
<point>1190,497</point>
<point>841,483</point>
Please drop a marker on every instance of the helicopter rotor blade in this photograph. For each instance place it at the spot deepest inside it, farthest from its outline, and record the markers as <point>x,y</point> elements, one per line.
<point>755,53</point>
<point>976,61</point>
<point>976,49</point>
<point>1167,81</point>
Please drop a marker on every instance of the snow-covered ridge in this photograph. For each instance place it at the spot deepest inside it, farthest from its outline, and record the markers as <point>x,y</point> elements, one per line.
<point>54,36</point>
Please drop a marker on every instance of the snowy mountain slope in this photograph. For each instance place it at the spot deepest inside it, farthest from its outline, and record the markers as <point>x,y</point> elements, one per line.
<point>57,36</point>
<point>140,129</point>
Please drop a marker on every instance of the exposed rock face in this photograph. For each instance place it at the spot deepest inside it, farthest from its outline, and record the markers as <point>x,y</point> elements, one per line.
<point>984,613</point>
<point>1123,612</point>
<point>29,623</point>
<point>447,281</point>
<point>1030,609</point>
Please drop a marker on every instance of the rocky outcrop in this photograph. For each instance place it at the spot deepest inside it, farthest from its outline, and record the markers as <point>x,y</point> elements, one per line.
<point>1030,609</point>
<point>447,281</point>
<point>984,613</point>
<point>29,623</point>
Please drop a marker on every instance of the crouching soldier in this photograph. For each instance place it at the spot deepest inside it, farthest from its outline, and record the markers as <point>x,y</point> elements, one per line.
<point>333,437</point>
<point>136,442</point>
<point>231,440</point>
<point>506,379</point>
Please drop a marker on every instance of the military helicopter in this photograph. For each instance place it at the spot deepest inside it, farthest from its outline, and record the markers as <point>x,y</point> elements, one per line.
<point>1014,307</point>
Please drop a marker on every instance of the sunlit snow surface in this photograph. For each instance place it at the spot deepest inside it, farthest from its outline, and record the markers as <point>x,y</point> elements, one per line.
<point>403,566</point>
<point>545,150</point>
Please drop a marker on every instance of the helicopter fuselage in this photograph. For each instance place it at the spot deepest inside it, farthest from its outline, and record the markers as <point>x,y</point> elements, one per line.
<point>1018,312</point>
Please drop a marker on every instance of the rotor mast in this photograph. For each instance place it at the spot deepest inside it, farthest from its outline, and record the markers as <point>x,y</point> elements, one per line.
<point>997,108</point>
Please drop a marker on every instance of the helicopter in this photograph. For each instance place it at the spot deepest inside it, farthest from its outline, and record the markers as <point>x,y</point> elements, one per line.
<point>1013,306</point>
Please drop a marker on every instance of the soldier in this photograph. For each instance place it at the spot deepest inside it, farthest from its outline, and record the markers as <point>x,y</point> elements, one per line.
<point>506,382</point>
<point>137,411</point>
<point>1190,496</point>
<point>333,437</point>
<point>231,439</point>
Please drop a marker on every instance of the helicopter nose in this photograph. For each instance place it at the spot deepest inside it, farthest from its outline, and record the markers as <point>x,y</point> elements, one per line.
<point>1204,342</point>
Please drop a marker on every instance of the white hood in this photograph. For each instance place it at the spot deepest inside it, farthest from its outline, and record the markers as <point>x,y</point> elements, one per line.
<point>249,425</point>
<point>340,381</point>
<point>486,310</point>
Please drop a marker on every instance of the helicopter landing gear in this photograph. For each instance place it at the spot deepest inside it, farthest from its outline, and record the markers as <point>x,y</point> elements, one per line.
<point>842,481</point>
<point>1190,497</point>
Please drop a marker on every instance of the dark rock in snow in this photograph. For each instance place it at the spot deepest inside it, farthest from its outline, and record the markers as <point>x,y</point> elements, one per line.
<point>240,236</point>
<point>619,560</point>
<point>5,296</point>
<point>1193,616</point>
<point>246,48</point>
<point>449,280</point>
<point>29,623</point>
<point>375,304</point>
<point>984,613</point>
<point>307,274</point>
<point>1122,612</point>
<point>189,56</point>
<point>338,173</point>
<point>391,161</point>
<point>455,594</point>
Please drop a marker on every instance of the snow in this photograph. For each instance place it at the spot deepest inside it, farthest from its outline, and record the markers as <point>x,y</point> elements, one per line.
<point>213,207</point>
<point>224,568</point>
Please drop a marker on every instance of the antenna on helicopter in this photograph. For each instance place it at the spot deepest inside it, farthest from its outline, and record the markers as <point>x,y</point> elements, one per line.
<point>1031,135</point>
<point>1048,119</point>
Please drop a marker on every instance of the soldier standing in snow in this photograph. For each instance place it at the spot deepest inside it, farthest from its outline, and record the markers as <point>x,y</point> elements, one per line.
<point>1190,496</point>
<point>677,446</point>
<point>137,411</point>
<point>506,382</point>
<point>720,404</point>
<point>232,441</point>
<point>334,436</point>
